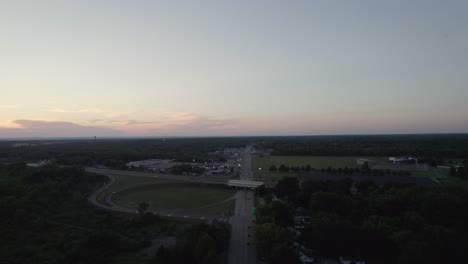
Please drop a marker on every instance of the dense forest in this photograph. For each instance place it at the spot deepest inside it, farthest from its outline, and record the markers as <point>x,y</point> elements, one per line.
<point>45,218</point>
<point>393,223</point>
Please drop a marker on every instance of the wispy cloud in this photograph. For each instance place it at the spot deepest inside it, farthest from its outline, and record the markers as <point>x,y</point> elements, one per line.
<point>82,110</point>
<point>101,113</point>
<point>182,124</point>
<point>185,123</point>
<point>8,106</point>
<point>41,128</point>
<point>122,122</point>
<point>171,123</point>
<point>136,122</point>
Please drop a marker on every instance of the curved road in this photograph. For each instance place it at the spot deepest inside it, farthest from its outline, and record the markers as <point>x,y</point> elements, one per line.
<point>241,248</point>
<point>111,205</point>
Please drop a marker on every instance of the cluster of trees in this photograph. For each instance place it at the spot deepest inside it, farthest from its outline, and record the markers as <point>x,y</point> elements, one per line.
<point>45,218</point>
<point>187,168</point>
<point>284,168</point>
<point>460,172</point>
<point>365,170</point>
<point>274,243</point>
<point>393,223</point>
<point>201,244</point>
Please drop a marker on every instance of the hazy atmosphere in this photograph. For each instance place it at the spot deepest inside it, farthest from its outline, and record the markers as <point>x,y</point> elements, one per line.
<point>208,68</point>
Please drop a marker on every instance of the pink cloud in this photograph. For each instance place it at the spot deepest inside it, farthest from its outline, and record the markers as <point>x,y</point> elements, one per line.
<point>41,128</point>
<point>184,124</point>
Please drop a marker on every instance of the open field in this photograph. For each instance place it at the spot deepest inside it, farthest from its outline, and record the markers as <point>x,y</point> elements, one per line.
<point>173,196</point>
<point>427,173</point>
<point>455,182</point>
<point>124,181</point>
<point>323,162</point>
<point>317,162</point>
<point>273,176</point>
<point>190,198</point>
<point>223,209</point>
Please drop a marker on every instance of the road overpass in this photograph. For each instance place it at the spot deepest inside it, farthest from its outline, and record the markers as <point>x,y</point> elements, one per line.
<point>247,184</point>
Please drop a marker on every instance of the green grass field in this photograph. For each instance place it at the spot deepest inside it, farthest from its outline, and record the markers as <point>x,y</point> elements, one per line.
<point>317,162</point>
<point>272,176</point>
<point>177,195</point>
<point>173,196</point>
<point>422,174</point>
<point>224,209</point>
<point>455,182</point>
<point>125,181</point>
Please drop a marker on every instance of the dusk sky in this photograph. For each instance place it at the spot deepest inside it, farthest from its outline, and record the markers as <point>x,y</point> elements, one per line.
<point>214,68</point>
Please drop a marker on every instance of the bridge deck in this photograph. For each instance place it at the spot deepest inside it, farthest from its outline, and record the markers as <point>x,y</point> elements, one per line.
<point>245,183</point>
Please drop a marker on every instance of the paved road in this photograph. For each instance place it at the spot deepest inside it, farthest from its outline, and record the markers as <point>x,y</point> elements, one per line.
<point>241,248</point>
<point>199,179</point>
<point>110,205</point>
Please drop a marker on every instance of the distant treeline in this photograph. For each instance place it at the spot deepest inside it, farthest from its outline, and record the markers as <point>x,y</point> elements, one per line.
<point>117,152</point>
<point>365,170</point>
<point>455,145</point>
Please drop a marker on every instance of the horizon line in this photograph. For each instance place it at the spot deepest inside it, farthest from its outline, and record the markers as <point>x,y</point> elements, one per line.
<point>220,136</point>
